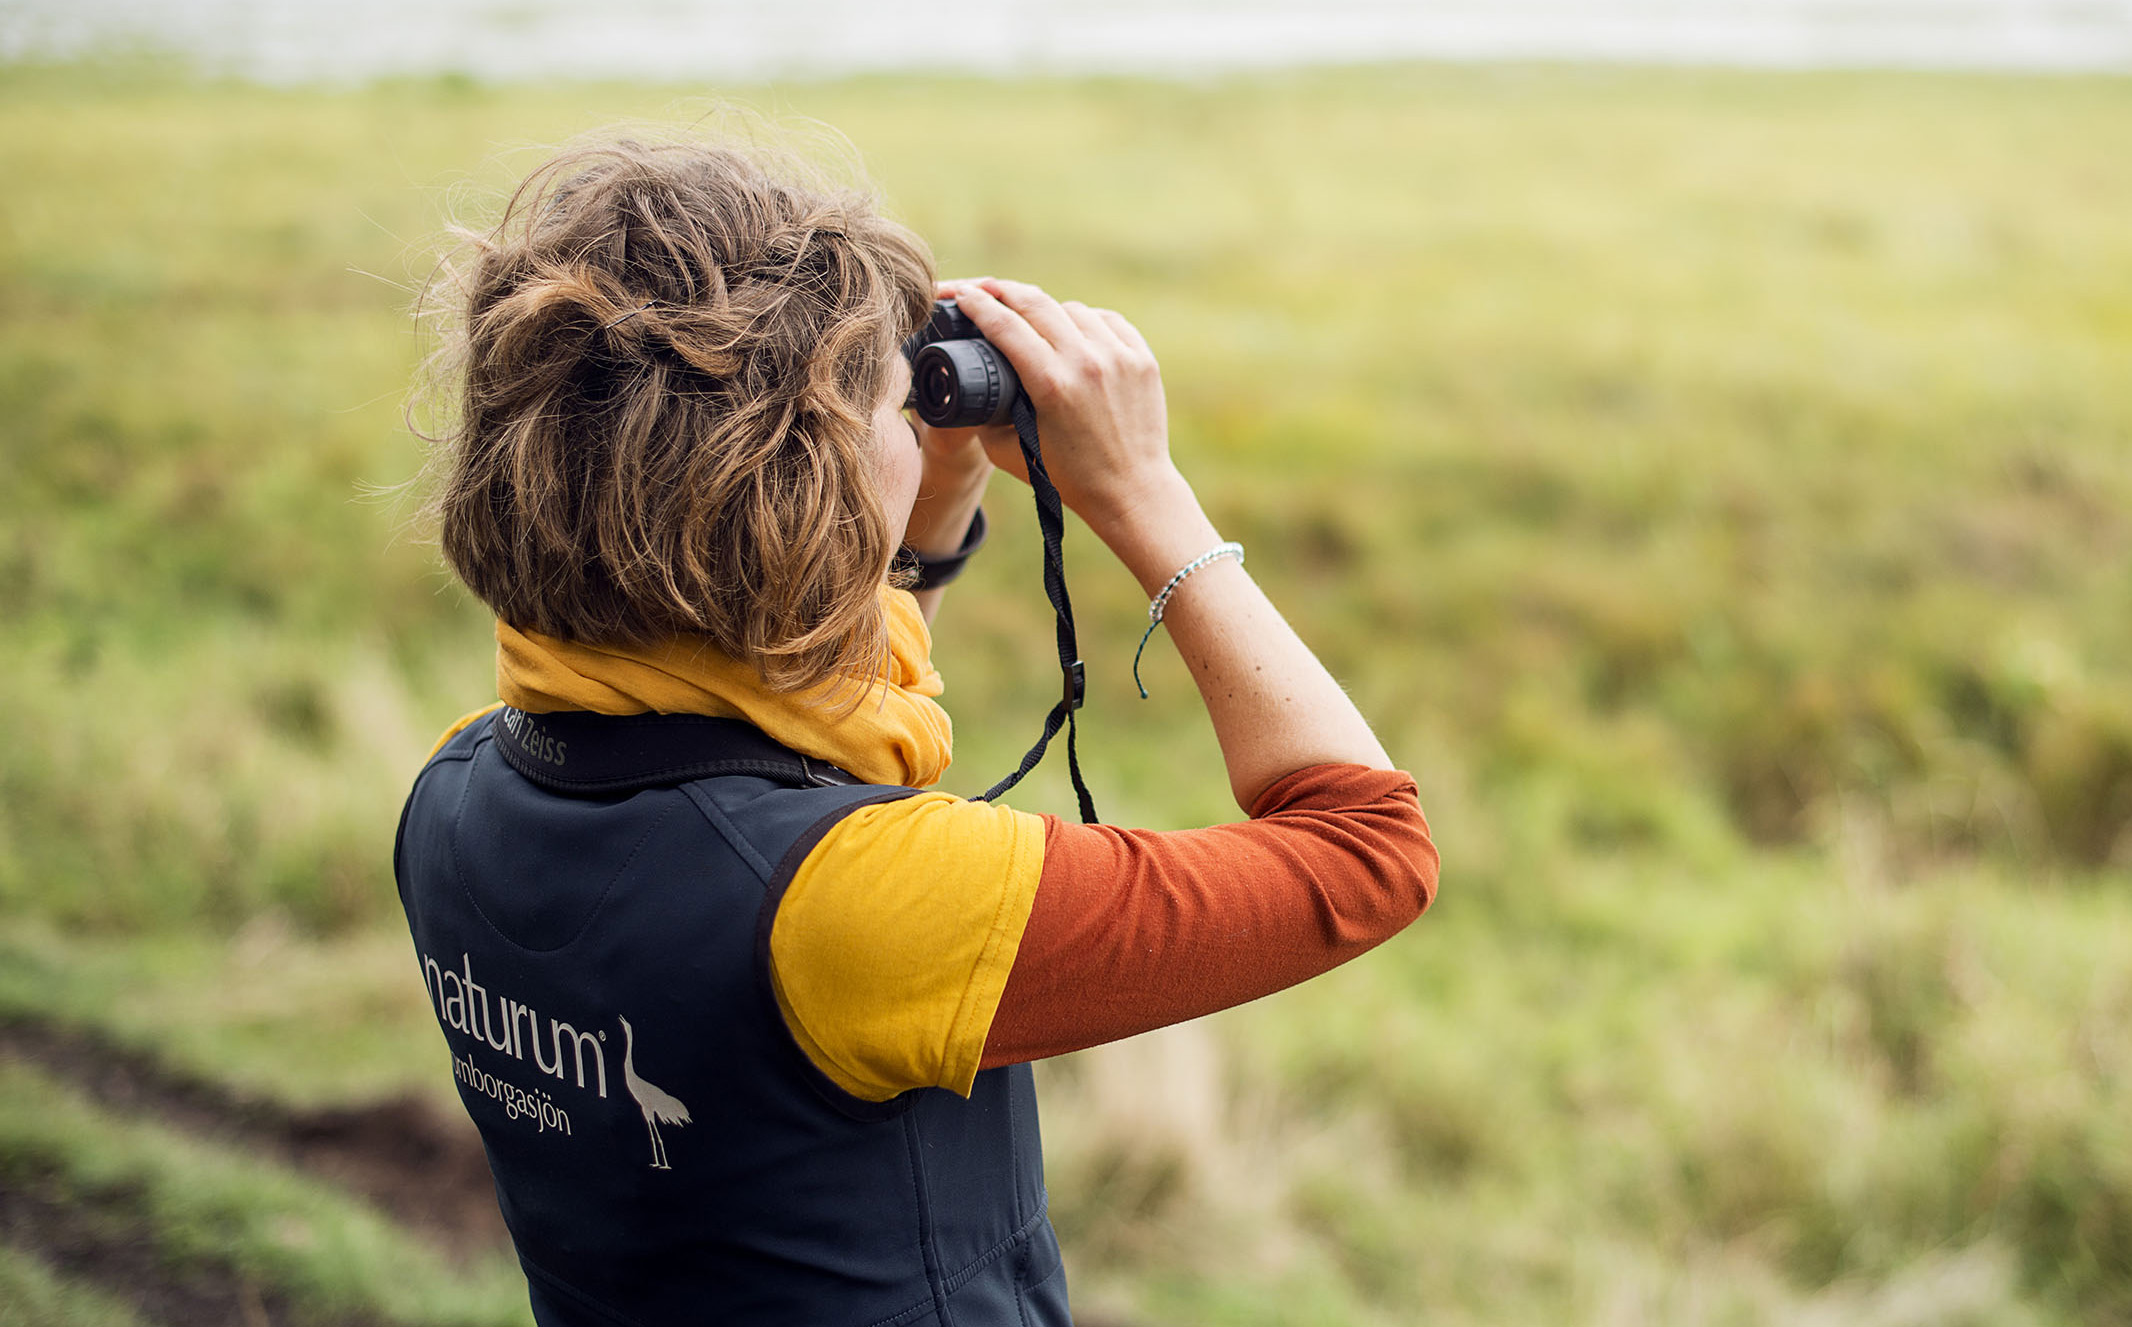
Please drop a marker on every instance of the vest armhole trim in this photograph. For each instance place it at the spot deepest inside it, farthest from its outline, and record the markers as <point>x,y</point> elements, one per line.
<point>436,758</point>
<point>852,1107</point>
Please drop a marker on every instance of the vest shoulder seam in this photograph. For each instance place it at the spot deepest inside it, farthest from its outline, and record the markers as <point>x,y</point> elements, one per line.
<point>464,743</point>
<point>591,915</point>
<point>722,825</point>
<point>776,875</point>
<point>455,754</point>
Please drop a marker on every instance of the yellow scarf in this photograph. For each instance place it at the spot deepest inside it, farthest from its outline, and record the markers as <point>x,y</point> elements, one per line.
<point>898,734</point>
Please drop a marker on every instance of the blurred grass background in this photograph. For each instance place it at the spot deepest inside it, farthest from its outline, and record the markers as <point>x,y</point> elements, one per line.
<point>1717,486</point>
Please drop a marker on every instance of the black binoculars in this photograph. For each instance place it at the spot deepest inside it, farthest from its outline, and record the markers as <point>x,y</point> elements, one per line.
<point>959,380</point>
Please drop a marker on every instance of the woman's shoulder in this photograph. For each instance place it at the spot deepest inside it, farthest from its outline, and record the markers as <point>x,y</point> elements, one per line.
<point>460,725</point>
<point>893,940</point>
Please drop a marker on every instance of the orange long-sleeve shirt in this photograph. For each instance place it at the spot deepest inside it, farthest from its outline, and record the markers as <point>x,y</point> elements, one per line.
<point>1133,929</point>
<point>924,939</point>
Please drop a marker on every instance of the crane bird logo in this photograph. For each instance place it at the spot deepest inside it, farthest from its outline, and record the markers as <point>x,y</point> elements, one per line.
<point>659,1106</point>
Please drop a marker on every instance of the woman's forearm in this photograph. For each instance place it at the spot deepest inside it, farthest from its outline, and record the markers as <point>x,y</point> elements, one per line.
<point>1274,707</point>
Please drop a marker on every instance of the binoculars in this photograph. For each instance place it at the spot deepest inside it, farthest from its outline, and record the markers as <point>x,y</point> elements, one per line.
<point>959,380</point>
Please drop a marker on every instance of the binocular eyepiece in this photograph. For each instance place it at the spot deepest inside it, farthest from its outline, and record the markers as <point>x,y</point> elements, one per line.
<point>959,380</point>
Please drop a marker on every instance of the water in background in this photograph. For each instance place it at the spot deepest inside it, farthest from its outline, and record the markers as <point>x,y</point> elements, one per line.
<point>307,40</point>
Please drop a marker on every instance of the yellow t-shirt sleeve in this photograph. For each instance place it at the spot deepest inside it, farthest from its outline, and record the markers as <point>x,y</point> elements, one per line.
<point>893,942</point>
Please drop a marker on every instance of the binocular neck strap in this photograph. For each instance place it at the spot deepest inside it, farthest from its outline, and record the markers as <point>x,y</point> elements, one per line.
<point>1051,523</point>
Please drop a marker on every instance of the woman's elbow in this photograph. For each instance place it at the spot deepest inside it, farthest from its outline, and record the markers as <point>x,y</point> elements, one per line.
<point>1394,885</point>
<point>1406,859</point>
<point>1422,863</point>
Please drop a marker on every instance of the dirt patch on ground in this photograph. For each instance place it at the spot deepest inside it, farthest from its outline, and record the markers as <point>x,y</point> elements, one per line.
<point>423,1169</point>
<point>103,1242</point>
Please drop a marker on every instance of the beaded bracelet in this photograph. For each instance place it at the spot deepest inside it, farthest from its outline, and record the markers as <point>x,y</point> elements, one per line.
<point>1161,601</point>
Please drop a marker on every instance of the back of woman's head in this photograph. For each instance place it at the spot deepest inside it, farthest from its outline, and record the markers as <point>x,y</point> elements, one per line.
<point>671,355</point>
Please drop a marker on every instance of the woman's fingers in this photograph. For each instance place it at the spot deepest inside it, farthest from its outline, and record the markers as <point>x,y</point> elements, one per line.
<point>1092,325</point>
<point>1076,335</point>
<point>1036,306</point>
<point>1032,356</point>
<point>1127,334</point>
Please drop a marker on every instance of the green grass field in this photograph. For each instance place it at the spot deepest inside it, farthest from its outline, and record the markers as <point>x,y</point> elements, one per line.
<point>1717,486</point>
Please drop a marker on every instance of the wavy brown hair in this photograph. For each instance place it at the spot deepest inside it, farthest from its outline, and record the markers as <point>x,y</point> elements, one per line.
<point>665,360</point>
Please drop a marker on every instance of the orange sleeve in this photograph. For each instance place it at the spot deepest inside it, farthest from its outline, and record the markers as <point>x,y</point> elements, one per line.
<point>1132,930</point>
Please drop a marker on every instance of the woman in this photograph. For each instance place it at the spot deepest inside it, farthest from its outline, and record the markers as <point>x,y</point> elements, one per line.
<point>743,1016</point>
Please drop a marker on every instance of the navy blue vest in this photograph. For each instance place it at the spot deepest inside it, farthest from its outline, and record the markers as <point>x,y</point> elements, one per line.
<point>596,949</point>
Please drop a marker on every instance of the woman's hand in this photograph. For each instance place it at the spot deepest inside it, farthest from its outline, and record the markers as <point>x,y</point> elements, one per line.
<point>1098,396</point>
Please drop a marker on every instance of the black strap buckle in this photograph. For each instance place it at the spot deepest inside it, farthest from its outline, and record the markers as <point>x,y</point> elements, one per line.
<point>822,774</point>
